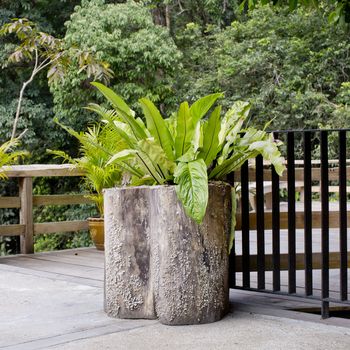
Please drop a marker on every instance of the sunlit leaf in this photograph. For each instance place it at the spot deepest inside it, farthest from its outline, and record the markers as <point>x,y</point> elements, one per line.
<point>157,127</point>
<point>184,130</point>
<point>192,188</point>
<point>211,137</point>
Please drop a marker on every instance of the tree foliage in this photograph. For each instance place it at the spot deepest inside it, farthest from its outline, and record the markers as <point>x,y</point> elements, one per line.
<point>142,55</point>
<point>48,52</point>
<point>291,66</point>
<point>338,11</point>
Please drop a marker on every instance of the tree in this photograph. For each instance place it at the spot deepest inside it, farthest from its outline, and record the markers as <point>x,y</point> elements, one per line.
<point>143,56</point>
<point>48,52</point>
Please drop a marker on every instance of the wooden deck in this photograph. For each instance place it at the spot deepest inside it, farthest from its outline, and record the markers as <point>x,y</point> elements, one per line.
<point>55,299</point>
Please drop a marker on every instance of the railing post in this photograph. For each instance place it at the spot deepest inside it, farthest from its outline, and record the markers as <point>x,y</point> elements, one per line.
<point>26,214</point>
<point>324,223</point>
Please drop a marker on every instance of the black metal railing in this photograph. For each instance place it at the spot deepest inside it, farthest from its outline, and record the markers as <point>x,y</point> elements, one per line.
<point>308,211</point>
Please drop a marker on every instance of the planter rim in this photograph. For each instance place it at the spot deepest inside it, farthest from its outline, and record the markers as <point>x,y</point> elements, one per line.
<point>95,219</point>
<point>123,188</point>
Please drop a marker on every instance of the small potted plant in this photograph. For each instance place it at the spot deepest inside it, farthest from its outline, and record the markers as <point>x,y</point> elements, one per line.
<point>168,235</point>
<point>96,145</point>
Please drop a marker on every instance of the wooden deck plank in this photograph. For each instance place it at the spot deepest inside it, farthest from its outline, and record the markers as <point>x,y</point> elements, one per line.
<point>76,260</point>
<point>60,268</point>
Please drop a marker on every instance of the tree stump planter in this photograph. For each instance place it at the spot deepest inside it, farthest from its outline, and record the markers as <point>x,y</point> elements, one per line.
<point>159,262</point>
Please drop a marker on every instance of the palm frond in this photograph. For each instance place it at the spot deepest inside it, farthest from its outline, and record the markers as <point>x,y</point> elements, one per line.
<point>9,156</point>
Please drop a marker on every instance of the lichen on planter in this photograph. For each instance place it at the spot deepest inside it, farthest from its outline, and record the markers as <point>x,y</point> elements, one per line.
<point>159,262</point>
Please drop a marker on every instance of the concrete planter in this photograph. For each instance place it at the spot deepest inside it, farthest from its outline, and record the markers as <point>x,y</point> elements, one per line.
<point>161,264</point>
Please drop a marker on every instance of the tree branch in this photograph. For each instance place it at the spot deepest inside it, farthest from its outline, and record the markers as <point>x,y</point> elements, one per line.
<point>25,84</point>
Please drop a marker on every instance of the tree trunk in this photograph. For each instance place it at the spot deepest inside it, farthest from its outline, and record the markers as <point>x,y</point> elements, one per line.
<point>159,262</point>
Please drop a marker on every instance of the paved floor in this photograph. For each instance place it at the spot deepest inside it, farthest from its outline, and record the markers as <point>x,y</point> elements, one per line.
<point>55,301</point>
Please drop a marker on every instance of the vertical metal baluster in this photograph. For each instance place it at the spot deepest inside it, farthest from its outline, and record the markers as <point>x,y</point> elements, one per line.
<point>343,217</point>
<point>307,213</point>
<point>245,225</point>
<point>276,262</point>
<point>291,214</point>
<point>232,257</point>
<point>324,223</point>
<point>260,224</point>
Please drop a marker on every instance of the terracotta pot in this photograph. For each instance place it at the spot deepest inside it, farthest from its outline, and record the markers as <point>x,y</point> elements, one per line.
<point>96,227</point>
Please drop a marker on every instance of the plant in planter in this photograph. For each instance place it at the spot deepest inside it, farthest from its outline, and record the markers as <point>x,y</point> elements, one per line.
<point>97,145</point>
<point>176,265</point>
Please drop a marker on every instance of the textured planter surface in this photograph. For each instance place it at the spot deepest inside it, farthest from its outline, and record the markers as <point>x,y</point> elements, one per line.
<point>160,263</point>
<point>96,228</point>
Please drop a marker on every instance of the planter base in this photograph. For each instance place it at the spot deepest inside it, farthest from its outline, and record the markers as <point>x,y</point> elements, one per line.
<point>160,263</point>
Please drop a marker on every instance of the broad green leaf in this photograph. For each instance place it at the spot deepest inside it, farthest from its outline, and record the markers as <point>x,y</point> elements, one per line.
<point>231,164</point>
<point>199,108</point>
<point>150,168</point>
<point>158,157</point>
<point>124,111</point>
<point>146,180</point>
<point>157,127</point>
<point>192,188</point>
<point>270,152</point>
<point>184,130</point>
<point>211,137</point>
<point>238,113</point>
<point>189,156</point>
<point>111,96</point>
<point>132,169</point>
<point>122,155</point>
<point>251,135</point>
<point>230,140</point>
<point>231,127</point>
<point>196,143</point>
<point>197,138</point>
<point>143,126</point>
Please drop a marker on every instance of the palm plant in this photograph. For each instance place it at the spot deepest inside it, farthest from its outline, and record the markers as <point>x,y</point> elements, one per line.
<point>97,145</point>
<point>8,155</point>
<point>187,149</point>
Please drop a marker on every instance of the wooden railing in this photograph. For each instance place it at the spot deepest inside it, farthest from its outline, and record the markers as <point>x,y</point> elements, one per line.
<point>26,201</point>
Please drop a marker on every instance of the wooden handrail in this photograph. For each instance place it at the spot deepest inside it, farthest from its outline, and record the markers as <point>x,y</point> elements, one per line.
<point>41,170</point>
<point>27,229</point>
